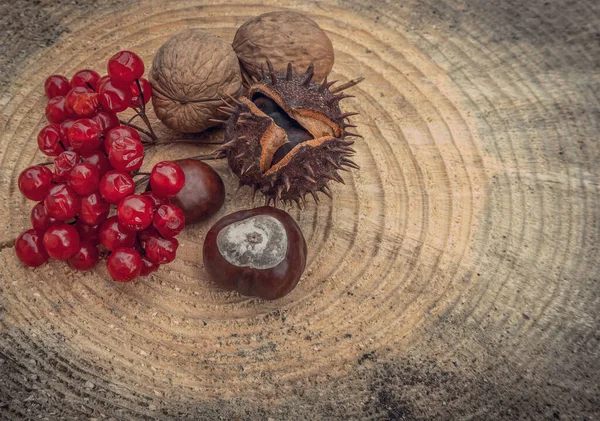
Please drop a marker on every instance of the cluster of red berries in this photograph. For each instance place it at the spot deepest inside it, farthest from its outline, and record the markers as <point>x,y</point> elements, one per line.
<point>95,160</point>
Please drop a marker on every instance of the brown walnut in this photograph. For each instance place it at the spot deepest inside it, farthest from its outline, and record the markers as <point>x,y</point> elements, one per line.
<point>190,74</point>
<point>282,38</point>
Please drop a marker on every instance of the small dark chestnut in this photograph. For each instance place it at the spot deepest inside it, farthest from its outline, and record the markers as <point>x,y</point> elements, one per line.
<point>203,194</point>
<point>258,252</point>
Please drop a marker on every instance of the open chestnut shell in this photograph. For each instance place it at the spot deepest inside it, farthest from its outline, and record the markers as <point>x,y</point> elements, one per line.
<point>258,252</point>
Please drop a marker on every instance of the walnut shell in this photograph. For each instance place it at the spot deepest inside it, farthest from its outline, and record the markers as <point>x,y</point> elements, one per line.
<point>282,38</point>
<point>190,74</point>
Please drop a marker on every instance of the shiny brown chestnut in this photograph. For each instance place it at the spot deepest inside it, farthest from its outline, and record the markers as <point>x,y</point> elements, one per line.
<point>203,194</point>
<point>258,252</point>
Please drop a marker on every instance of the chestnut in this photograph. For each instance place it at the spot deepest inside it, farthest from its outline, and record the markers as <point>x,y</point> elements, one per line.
<point>203,194</point>
<point>258,252</point>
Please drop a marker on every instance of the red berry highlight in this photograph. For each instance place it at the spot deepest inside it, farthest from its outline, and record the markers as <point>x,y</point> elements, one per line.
<point>115,185</point>
<point>61,241</point>
<point>161,250</point>
<point>62,203</point>
<point>114,235</point>
<point>86,77</point>
<point>113,98</point>
<point>35,182</point>
<point>86,257</point>
<point>56,110</point>
<point>84,179</point>
<point>124,264</point>
<point>169,220</point>
<point>56,85</point>
<point>40,220</point>
<point>135,212</point>
<point>125,67</point>
<point>94,209</point>
<point>126,153</point>
<point>99,160</point>
<point>166,179</point>
<point>156,201</point>
<point>148,267</point>
<point>30,249</point>
<point>106,120</point>
<point>49,140</point>
<point>63,164</point>
<point>85,135</point>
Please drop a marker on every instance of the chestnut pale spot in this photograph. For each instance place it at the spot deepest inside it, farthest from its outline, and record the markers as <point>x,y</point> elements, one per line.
<point>259,242</point>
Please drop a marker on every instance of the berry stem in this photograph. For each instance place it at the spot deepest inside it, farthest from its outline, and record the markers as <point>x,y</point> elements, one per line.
<point>205,157</point>
<point>142,180</point>
<point>139,129</point>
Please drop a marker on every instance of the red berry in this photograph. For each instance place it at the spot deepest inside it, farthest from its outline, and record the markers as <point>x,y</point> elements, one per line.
<point>30,249</point>
<point>56,85</point>
<point>113,98</point>
<point>125,67</point>
<point>113,234</point>
<point>61,241</point>
<point>161,250</point>
<point>56,110</point>
<point>124,264</point>
<point>35,182</point>
<point>85,77</point>
<point>145,235</point>
<point>148,267</point>
<point>169,220</point>
<point>99,160</point>
<point>135,212</point>
<point>84,179</point>
<point>106,120</point>
<point>62,202</point>
<point>166,179</point>
<point>120,133</point>
<point>40,220</point>
<point>86,257</point>
<point>63,164</point>
<point>90,233</point>
<point>64,132</point>
<point>84,135</point>
<point>49,139</point>
<point>136,98</point>
<point>156,201</point>
<point>126,153</point>
<point>78,97</point>
<point>94,209</point>
<point>115,185</point>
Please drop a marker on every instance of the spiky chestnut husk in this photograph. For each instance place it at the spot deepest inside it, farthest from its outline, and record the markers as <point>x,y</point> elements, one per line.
<point>287,137</point>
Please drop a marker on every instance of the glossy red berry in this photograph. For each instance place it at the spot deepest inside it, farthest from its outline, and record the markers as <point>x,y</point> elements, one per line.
<point>49,140</point>
<point>94,209</point>
<point>61,241</point>
<point>85,135</point>
<point>126,153</point>
<point>124,264</point>
<point>86,257</point>
<point>135,212</point>
<point>115,185</point>
<point>35,182</point>
<point>90,233</point>
<point>106,120</point>
<point>56,85</point>
<point>113,98</point>
<point>84,179</point>
<point>145,235</point>
<point>120,132</point>
<point>63,164</point>
<point>146,93</point>
<point>56,110</point>
<point>99,160</point>
<point>114,235</point>
<point>156,201</point>
<point>62,203</point>
<point>30,249</point>
<point>166,179</point>
<point>82,100</point>
<point>64,132</point>
<point>148,267</point>
<point>125,67</point>
<point>169,220</point>
<point>40,220</point>
<point>85,77</point>
<point>161,250</point>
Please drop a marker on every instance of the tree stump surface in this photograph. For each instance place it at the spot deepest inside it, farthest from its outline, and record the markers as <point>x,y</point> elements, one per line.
<point>454,276</point>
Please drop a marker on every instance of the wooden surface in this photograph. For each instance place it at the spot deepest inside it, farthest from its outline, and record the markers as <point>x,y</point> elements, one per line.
<point>455,276</point>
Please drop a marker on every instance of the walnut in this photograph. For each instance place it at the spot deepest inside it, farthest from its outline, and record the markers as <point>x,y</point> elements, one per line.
<point>190,74</point>
<point>282,38</point>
